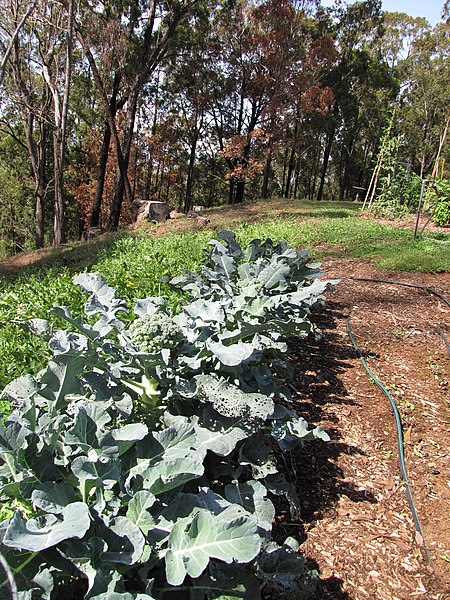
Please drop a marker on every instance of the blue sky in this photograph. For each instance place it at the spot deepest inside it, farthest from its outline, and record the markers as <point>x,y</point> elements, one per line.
<point>430,9</point>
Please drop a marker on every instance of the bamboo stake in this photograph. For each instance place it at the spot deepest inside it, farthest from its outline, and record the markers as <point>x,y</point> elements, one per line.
<point>441,145</point>
<point>375,183</point>
<point>370,185</point>
<point>376,173</point>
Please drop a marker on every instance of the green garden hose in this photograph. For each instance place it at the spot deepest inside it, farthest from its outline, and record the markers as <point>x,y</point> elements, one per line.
<point>438,330</point>
<point>398,421</point>
<point>401,449</point>
<point>413,285</point>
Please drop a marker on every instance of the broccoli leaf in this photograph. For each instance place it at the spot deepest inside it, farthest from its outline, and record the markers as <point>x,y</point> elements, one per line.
<point>44,532</point>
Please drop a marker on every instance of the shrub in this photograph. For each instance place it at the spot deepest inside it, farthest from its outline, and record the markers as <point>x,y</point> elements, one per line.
<point>441,215</point>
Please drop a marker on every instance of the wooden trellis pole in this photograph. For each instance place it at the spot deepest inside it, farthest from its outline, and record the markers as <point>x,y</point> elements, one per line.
<point>370,194</point>
<point>441,145</point>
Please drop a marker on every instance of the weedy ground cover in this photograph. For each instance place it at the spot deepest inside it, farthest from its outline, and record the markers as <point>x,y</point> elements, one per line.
<point>141,462</point>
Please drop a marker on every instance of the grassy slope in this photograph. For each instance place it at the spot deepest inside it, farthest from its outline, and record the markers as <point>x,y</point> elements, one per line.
<point>135,263</point>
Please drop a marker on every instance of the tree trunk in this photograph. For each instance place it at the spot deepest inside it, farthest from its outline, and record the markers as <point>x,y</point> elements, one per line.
<point>160,180</point>
<point>289,173</point>
<point>296,178</point>
<point>345,177</point>
<point>37,152</point>
<point>38,155</point>
<point>41,188</point>
<point>266,177</point>
<point>59,233</point>
<point>285,161</point>
<point>122,182</point>
<point>240,189</point>
<point>113,130</point>
<point>104,153</point>
<point>291,163</point>
<point>13,40</point>
<point>60,131</point>
<point>267,170</point>
<point>190,175</point>
<point>116,203</point>
<point>326,157</point>
<point>231,190</point>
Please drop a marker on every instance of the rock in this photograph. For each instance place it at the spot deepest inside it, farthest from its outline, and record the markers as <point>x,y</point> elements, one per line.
<point>198,218</point>
<point>150,210</point>
<point>158,211</point>
<point>90,233</point>
<point>175,215</point>
<point>202,220</point>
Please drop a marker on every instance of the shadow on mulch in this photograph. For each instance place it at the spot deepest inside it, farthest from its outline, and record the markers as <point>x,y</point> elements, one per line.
<point>331,589</point>
<point>315,384</point>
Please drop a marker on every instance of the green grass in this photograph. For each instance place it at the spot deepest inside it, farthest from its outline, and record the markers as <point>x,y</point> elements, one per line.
<point>135,264</point>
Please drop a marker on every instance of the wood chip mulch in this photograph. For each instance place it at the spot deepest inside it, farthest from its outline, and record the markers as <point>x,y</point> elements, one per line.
<point>356,523</point>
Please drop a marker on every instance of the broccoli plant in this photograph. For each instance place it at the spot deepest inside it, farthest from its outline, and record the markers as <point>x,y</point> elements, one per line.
<point>152,333</point>
<point>142,462</point>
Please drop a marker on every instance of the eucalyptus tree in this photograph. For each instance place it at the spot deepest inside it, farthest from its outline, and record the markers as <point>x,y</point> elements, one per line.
<point>186,92</point>
<point>309,106</point>
<point>8,37</point>
<point>400,34</point>
<point>363,86</point>
<point>140,35</point>
<point>262,71</point>
<point>36,93</point>
<point>56,71</point>
<point>426,98</point>
<point>16,200</point>
<point>23,101</point>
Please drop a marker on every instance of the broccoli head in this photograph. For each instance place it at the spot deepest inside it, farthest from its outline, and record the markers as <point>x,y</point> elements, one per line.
<point>151,333</point>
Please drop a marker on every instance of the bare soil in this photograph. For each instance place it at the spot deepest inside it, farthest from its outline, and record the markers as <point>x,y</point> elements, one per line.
<point>356,523</point>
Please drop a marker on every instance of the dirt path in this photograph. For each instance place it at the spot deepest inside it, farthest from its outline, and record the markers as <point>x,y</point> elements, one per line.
<point>356,520</point>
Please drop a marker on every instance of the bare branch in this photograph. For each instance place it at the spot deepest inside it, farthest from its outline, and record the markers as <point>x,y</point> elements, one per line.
<point>13,40</point>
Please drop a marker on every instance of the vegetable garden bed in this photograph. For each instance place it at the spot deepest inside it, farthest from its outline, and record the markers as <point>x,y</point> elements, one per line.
<point>354,521</point>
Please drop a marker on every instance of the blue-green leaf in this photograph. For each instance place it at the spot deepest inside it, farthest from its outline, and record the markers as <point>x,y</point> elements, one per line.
<point>61,378</point>
<point>232,355</point>
<point>44,532</point>
<point>21,388</point>
<point>138,510</point>
<point>230,401</point>
<point>193,542</point>
<point>64,313</point>
<point>149,306</point>
<point>284,572</point>
<point>53,497</point>
<point>125,542</point>
<point>274,276</point>
<point>206,310</point>
<point>252,496</point>
<point>102,297</point>
<point>107,472</point>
